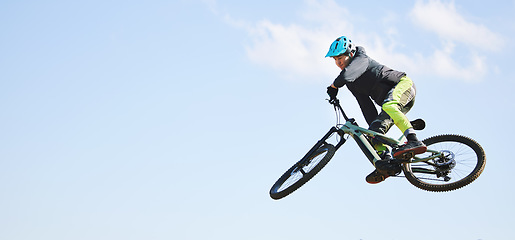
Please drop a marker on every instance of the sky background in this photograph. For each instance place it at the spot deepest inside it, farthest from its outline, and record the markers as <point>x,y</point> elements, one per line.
<point>172,119</point>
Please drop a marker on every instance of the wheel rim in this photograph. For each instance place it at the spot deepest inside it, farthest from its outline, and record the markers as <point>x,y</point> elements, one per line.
<point>459,161</point>
<point>302,169</point>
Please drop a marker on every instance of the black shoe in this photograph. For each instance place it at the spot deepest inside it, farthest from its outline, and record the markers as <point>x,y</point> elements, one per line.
<point>388,167</point>
<point>385,167</point>
<point>410,149</point>
<point>376,177</point>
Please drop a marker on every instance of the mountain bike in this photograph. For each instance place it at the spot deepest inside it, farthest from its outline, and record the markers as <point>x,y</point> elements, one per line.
<point>451,161</point>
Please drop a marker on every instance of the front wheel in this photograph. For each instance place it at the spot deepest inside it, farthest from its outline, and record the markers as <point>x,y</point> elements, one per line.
<point>302,171</point>
<point>453,162</point>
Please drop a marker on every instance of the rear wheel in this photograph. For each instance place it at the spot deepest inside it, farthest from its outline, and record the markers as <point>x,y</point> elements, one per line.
<point>302,171</point>
<point>457,162</point>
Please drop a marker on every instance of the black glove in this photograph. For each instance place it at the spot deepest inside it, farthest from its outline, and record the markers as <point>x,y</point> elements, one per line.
<point>332,92</point>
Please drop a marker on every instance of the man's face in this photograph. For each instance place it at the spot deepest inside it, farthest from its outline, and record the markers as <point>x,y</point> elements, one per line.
<point>342,61</point>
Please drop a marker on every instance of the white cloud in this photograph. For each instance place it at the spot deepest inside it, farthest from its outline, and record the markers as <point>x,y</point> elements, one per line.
<point>453,29</point>
<point>446,22</point>
<point>443,64</point>
<point>297,50</point>
<point>294,49</point>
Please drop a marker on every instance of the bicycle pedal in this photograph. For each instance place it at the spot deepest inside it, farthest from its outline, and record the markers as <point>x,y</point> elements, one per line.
<point>407,155</point>
<point>399,161</point>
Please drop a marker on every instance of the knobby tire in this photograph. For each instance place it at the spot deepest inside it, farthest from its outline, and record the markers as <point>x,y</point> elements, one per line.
<point>470,162</point>
<point>313,163</point>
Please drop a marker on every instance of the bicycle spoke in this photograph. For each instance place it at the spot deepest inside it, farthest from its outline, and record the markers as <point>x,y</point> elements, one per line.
<point>302,171</point>
<point>454,161</point>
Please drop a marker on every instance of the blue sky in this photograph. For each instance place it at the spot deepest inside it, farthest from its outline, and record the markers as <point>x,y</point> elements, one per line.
<point>172,119</point>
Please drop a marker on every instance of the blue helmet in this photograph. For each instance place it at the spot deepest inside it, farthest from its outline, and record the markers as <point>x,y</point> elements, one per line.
<point>341,45</point>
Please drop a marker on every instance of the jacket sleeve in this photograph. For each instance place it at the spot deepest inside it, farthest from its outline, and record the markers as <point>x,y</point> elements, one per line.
<point>356,68</point>
<point>367,107</point>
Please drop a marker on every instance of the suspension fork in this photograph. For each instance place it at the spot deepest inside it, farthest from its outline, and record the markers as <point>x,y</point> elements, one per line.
<point>323,141</point>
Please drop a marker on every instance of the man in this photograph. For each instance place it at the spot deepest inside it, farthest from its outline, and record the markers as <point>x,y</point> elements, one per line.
<point>369,82</point>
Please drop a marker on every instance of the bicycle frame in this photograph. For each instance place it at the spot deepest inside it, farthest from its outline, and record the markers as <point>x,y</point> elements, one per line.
<point>438,171</point>
<point>362,136</point>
